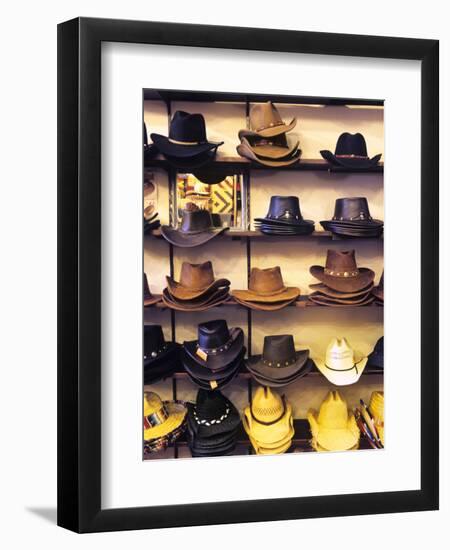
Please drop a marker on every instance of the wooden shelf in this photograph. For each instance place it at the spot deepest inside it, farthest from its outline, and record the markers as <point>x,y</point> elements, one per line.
<point>300,441</point>
<point>254,234</point>
<point>236,165</point>
<point>301,302</point>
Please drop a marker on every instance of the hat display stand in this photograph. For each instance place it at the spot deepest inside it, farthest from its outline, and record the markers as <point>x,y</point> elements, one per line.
<point>301,440</point>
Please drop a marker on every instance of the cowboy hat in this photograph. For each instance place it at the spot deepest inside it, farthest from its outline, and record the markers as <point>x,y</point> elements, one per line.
<point>275,148</point>
<point>248,153</point>
<point>216,346</point>
<point>281,382</point>
<point>212,415</point>
<point>327,291</point>
<point>376,358</point>
<point>334,428</point>
<point>196,228</point>
<point>341,272</point>
<point>266,286</point>
<point>196,280</point>
<point>341,366</point>
<point>161,358</point>
<point>200,373</point>
<point>323,300</point>
<point>351,152</point>
<point>265,121</point>
<point>284,212</point>
<point>161,418</point>
<point>208,301</point>
<point>187,137</point>
<point>265,306</point>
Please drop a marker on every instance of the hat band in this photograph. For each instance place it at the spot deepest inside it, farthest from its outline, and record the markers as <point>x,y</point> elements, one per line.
<point>343,370</point>
<point>362,216</point>
<point>220,349</point>
<point>287,215</point>
<point>344,274</point>
<point>155,354</point>
<point>283,400</point>
<point>280,363</point>
<point>271,125</point>
<point>351,156</point>
<point>204,422</point>
<point>156,418</point>
<point>176,142</point>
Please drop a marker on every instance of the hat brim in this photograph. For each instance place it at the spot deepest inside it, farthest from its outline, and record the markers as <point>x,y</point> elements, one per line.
<point>350,162</point>
<point>220,360</point>
<point>344,284</point>
<point>189,240</point>
<point>280,383</point>
<point>183,293</point>
<point>177,414</point>
<point>283,224</point>
<point>212,176</point>
<point>327,291</point>
<point>272,131</point>
<point>247,153</point>
<point>342,378</point>
<point>289,293</point>
<point>328,300</point>
<point>211,443</point>
<point>170,349</point>
<point>255,364</point>
<point>154,299</point>
<point>211,385</point>
<point>203,374</point>
<point>179,151</point>
<point>265,306</point>
<point>378,293</point>
<point>271,152</point>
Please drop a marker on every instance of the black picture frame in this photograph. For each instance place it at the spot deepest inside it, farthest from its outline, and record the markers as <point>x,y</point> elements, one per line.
<point>79,274</point>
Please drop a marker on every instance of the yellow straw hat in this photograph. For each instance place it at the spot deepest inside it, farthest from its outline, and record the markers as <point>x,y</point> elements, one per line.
<point>320,449</point>
<point>376,409</point>
<point>334,428</point>
<point>161,418</point>
<point>269,418</point>
<point>278,450</point>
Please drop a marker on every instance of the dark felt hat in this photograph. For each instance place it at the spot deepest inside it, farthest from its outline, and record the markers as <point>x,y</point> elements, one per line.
<point>285,212</point>
<point>216,346</point>
<point>351,152</point>
<point>279,359</point>
<point>161,358</point>
<point>342,273</point>
<point>376,358</point>
<point>281,382</point>
<point>200,373</point>
<point>354,211</point>
<point>187,137</point>
<point>196,228</point>
<point>212,414</point>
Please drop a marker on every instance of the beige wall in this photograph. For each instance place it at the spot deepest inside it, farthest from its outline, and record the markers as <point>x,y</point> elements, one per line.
<point>317,128</point>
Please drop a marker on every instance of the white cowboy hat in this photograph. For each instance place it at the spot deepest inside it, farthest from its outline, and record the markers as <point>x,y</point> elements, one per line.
<point>341,365</point>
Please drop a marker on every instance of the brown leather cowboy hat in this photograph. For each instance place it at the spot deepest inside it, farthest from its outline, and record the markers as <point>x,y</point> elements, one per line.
<point>323,300</point>
<point>212,300</point>
<point>327,291</point>
<point>266,286</point>
<point>196,280</point>
<point>341,272</point>
<point>265,306</point>
<point>196,228</point>
<point>265,121</point>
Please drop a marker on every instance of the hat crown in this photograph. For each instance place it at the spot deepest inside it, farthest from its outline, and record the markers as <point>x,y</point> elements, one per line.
<point>333,412</point>
<point>211,405</point>
<point>196,276</point>
<point>152,403</point>
<point>266,281</point>
<point>351,209</point>
<point>147,293</point>
<point>213,334</point>
<point>351,144</point>
<point>339,355</point>
<point>264,116</point>
<point>153,340</point>
<point>266,406</point>
<point>279,348</point>
<point>187,128</point>
<point>286,207</point>
<point>340,261</point>
<point>195,221</point>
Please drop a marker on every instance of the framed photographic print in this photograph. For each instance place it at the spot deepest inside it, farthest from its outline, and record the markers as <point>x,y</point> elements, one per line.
<point>232,204</point>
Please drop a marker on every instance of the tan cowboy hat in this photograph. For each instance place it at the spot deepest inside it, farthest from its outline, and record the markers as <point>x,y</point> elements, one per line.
<point>341,366</point>
<point>246,152</point>
<point>196,280</point>
<point>275,148</point>
<point>266,286</point>
<point>161,418</point>
<point>265,121</point>
<point>334,429</point>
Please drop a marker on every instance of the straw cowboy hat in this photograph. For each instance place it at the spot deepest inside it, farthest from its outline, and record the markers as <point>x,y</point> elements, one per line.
<point>341,366</point>
<point>341,272</point>
<point>161,418</point>
<point>196,280</point>
<point>376,409</point>
<point>268,420</point>
<point>334,429</point>
<point>266,122</point>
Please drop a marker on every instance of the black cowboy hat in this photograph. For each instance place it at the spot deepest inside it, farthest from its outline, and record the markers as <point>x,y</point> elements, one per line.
<point>187,137</point>
<point>217,346</point>
<point>161,358</point>
<point>196,229</point>
<point>198,372</point>
<point>354,212</point>
<point>284,211</point>
<point>351,152</point>
<point>279,383</point>
<point>212,414</point>
<point>279,359</point>
<point>376,358</point>
<point>214,384</point>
